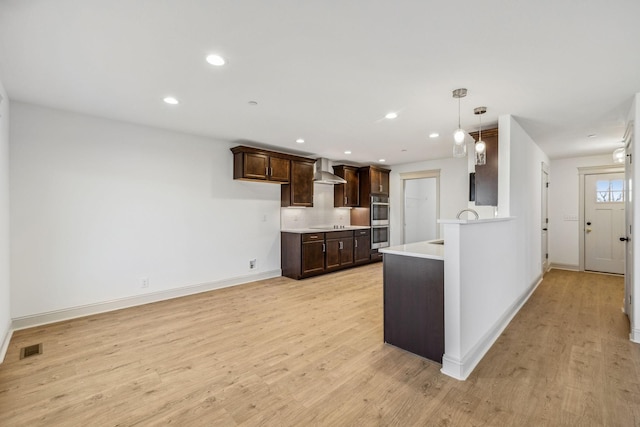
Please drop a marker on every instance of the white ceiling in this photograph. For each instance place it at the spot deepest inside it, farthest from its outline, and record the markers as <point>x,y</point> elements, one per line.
<point>328,71</point>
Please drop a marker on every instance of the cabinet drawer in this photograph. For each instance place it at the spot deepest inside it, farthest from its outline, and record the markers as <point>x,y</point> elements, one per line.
<point>312,237</point>
<point>339,234</point>
<point>361,232</point>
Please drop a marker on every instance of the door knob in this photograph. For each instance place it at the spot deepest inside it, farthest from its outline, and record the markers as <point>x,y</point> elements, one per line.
<point>588,230</point>
<point>589,223</point>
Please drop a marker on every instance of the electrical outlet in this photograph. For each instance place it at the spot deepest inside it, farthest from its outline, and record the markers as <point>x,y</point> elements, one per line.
<point>144,282</point>
<point>252,264</point>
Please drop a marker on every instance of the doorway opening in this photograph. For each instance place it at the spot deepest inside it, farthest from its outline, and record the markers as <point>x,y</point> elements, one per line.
<point>421,206</point>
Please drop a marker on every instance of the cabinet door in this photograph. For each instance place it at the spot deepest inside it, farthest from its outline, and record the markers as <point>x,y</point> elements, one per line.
<point>362,246</point>
<point>279,169</point>
<point>379,181</point>
<point>346,251</point>
<point>255,166</point>
<point>312,257</point>
<point>333,253</point>
<point>346,195</point>
<point>301,184</point>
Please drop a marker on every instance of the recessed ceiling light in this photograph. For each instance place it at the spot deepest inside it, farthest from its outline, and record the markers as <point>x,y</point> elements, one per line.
<point>382,160</point>
<point>404,150</point>
<point>434,135</point>
<point>171,100</point>
<point>300,141</point>
<point>253,102</point>
<point>391,115</point>
<point>347,152</point>
<point>216,60</point>
<point>591,135</point>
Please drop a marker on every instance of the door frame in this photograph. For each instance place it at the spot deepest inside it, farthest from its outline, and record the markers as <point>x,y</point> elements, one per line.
<point>544,208</point>
<point>589,170</point>
<point>434,173</point>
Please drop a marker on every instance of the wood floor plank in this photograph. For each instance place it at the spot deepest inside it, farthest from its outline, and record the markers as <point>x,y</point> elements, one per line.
<point>281,352</point>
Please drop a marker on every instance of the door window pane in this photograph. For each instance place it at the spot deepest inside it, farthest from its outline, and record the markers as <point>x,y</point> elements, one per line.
<point>610,191</point>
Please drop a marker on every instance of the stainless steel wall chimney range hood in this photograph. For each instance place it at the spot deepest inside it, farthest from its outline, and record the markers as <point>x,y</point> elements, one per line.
<point>323,174</point>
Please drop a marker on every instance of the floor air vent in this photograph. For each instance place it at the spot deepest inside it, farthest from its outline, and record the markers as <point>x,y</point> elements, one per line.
<point>30,350</point>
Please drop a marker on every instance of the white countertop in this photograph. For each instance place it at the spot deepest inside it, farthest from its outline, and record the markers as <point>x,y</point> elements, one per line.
<point>475,221</point>
<point>322,229</point>
<point>426,249</point>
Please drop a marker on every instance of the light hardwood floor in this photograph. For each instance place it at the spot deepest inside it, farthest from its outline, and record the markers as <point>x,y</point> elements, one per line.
<point>303,353</point>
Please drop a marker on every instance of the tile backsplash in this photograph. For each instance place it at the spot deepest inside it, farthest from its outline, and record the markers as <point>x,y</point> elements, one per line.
<point>322,212</point>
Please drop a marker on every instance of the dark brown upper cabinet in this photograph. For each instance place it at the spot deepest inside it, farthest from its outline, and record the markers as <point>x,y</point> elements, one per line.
<point>346,195</point>
<point>299,191</point>
<point>373,181</point>
<point>486,177</point>
<point>254,164</point>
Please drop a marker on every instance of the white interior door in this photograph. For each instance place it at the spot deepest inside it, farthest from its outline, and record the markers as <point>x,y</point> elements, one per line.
<point>545,220</point>
<point>420,210</point>
<point>604,222</point>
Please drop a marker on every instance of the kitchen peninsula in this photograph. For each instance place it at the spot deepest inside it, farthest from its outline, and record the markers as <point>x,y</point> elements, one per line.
<point>414,298</point>
<point>449,302</point>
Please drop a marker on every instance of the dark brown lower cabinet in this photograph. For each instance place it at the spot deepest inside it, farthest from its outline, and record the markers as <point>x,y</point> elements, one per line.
<point>312,257</point>
<point>309,254</point>
<point>361,246</point>
<point>339,249</point>
<point>414,305</point>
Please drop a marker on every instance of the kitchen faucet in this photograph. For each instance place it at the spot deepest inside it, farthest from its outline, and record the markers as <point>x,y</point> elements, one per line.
<point>467,210</point>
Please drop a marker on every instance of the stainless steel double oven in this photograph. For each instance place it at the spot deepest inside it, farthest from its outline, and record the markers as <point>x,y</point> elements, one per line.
<point>379,222</point>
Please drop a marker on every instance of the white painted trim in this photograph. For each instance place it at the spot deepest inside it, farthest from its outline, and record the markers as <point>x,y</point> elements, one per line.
<point>559,266</point>
<point>102,307</point>
<point>461,369</point>
<point>5,344</point>
<point>634,336</point>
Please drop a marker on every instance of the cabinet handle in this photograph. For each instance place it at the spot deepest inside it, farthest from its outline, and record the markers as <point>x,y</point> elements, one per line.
<point>266,171</point>
<point>345,200</point>
<point>270,171</point>
<point>341,246</point>
<point>356,242</point>
<point>380,188</point>
<point>324,247</point>
<point>313,237</point>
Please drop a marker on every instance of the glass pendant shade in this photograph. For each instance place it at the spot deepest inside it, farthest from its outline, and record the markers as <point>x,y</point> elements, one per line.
<point>618,155</point>
<point>481,153</point>
<point>459,148</point>
<point>459,136</point>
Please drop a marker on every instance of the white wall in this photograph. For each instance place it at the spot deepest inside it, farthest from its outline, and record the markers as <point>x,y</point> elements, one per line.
<point>634,115</point>
<point>5,308</point>
<point>97,205</point>
<point>525,195</point>
<point>492,267</point>
<point>564,197</point>
<point>454,190</point>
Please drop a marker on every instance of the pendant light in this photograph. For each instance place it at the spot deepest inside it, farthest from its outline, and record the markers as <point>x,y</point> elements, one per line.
<point>459,146</point>
<point>619,155</point>
<point>481,147</point>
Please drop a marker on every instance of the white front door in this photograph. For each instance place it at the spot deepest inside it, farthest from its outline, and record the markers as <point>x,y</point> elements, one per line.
<point>604,222</point>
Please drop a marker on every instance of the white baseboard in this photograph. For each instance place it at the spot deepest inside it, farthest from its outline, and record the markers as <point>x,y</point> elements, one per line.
<point>5,344</point>
<point>570,267</point>
<point>102,307</point>
<point>460,369</point>
<point>634,336</point>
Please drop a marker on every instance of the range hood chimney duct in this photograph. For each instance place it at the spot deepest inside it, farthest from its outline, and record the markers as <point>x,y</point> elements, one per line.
<point>323,174</point>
